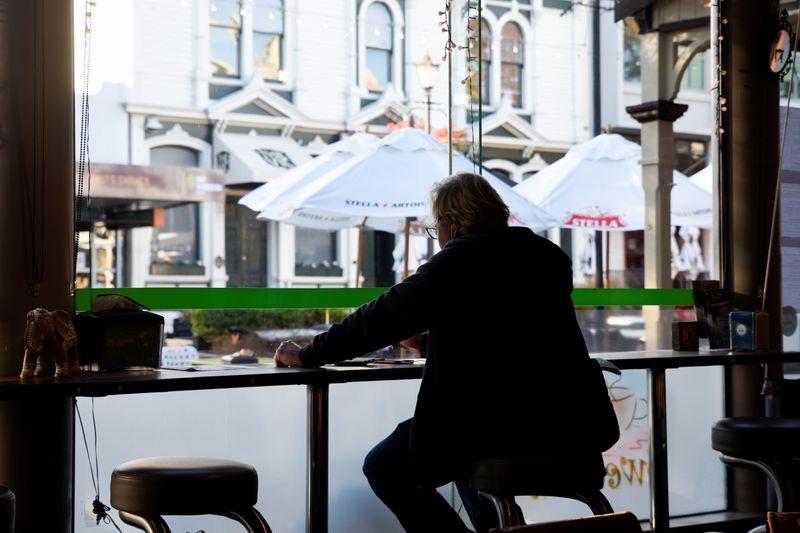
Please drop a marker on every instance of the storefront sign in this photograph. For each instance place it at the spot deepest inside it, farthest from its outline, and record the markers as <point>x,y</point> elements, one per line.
<point>163,183</point>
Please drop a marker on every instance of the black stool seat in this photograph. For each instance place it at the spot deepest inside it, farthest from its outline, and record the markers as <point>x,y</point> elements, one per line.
<point>757,437</point>
<point>8,510</point>
<point>499,480</point>
<point>183,486</point>
<point>143,490</point>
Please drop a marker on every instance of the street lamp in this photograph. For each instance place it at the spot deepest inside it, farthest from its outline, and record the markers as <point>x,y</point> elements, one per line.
<point>427,72</point>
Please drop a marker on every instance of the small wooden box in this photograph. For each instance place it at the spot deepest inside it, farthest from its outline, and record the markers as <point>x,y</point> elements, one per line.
<point>684,336</point>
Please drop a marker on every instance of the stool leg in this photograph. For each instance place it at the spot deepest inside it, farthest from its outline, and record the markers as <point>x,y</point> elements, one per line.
<point>249,518</point>
<point>597,502</point>
<point>149,524</point>
<point>508,513</point>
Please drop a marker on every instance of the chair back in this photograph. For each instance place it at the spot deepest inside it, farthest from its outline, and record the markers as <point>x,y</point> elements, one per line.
<point>625,522</point>
<point>783,522</point>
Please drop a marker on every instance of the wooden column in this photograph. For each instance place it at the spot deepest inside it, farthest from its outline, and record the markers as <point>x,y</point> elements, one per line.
<point>749,164</point>
<point>36,242</point>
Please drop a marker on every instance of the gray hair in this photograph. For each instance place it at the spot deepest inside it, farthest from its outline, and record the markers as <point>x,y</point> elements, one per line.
<point>471,200</point>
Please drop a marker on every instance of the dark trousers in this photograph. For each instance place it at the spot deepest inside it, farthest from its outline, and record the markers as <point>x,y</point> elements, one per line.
<point>419,508</point>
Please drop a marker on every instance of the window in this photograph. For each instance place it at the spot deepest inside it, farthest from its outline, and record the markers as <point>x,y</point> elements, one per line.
<point>268,38</point>
<point>229,59</point>
<point>225,35</point>
<point>486,64</point>
<point>694,77</point>
<point>511,60</point>
<point>175,241</point>
<point>631,52</point>
<point>379,47</point>
<point>175,246</point>
<point>316,253</point>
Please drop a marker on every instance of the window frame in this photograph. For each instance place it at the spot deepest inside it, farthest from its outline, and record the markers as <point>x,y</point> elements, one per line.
<point>485,67</point>
<point>281,36</point>
<point>397,80</point>
<point>520,64</point>
<point>239,45</point>
<point>247,67</point>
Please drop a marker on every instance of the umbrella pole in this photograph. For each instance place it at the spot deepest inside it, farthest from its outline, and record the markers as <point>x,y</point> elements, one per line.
<point>358,251</point>
<point>598,259</point>
<point>405,252</point>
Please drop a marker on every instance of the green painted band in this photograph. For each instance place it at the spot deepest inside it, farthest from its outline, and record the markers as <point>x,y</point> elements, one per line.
<point>204,298</point>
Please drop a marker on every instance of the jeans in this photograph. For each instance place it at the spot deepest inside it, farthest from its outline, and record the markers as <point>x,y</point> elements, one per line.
<point>419,508</point>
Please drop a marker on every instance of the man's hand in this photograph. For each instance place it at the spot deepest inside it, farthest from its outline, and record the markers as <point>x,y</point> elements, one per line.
<point>288,354</point>
<point>411,343</point>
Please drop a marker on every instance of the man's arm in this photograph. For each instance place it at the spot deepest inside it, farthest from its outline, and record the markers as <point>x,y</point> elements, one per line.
<point>408,308</point>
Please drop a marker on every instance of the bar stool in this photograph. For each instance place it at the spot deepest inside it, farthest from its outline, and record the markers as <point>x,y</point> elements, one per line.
<point>769,444</point>
<point>143,490</point>
<point>499,480</point>
<point>8,510</point>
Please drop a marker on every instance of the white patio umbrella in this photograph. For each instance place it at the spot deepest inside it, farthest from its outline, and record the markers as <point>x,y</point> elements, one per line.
<point>703,179</point>
<point>598,185</point>
<point>331,157</point>
<point>386,186</point>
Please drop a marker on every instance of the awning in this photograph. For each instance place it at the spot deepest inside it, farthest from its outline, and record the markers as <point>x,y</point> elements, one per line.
<point>134,183</point>
<point>250,158</point>
<point>126,195</point>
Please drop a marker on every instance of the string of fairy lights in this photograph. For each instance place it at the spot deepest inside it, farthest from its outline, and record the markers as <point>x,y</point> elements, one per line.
<point>720,100</point>
<point>472,18</point>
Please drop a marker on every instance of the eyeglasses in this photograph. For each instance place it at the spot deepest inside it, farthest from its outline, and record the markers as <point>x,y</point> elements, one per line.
<point>432,231</point>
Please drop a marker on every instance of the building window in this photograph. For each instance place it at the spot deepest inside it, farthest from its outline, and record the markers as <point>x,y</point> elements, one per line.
<point>175,241</point>
<point>486,64</point>
<point>631,52</point>
<point>379,47</point>
<point>175,247</point>
<point>511,61</point>
<point>225,34</point>
<point>316,253</point>
<point>227,40</point>
<point>268,38</point>
<point>694,77</point>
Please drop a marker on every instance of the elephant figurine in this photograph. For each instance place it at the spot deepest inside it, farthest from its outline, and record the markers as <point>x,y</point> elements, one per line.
<point>50,337</point>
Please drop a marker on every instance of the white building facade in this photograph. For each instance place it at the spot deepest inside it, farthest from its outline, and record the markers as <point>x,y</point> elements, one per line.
<point>211,83</point>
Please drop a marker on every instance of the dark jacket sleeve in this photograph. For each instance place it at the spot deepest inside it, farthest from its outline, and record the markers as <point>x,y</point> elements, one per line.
<point>405,310</point>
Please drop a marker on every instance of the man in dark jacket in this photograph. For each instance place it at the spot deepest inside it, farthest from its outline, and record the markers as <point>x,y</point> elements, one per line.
<point>503,345</point>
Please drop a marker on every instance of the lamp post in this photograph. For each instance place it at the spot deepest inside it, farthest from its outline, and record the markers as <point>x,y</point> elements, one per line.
<point>427,72</point>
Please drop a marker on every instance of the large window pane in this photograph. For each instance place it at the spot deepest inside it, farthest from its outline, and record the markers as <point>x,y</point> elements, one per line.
<point>316,253</point>
<point>225,36</point>
<point>267,55</point>
<point>175,249</point>
<point>379,69</point>
<point>631,51</point>
<point>485,66</point>
<point>379,47</point>
<point>268,38</point>
<point>268,16</point>
<point>379,27</point>
<point>511,56</point>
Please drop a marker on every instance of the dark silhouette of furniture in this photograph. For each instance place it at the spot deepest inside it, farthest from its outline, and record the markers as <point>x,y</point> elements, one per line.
<point>625,522</point>
<point>8,510</point>
<point>500,480</point>
<point>769,444</point>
